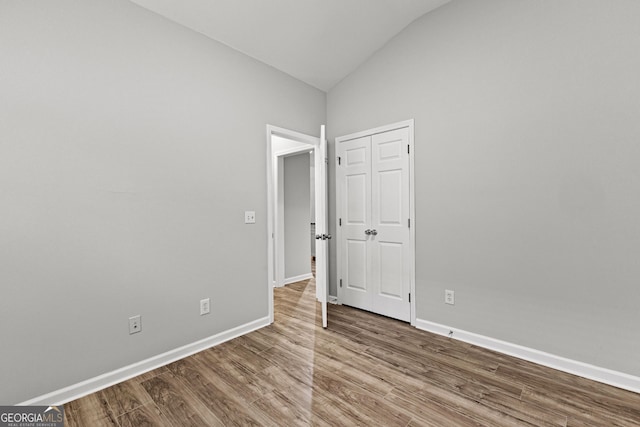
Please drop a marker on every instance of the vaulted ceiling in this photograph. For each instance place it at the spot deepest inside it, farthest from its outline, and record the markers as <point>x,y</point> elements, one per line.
<point>317,41</point>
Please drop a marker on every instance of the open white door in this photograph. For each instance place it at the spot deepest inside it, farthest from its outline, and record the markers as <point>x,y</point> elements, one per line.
<point>322,229</point>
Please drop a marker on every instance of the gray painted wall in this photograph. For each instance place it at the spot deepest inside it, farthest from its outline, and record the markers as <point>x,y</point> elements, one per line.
<point>130,148</point>
<point>527,177</point>
<point>297,259</point>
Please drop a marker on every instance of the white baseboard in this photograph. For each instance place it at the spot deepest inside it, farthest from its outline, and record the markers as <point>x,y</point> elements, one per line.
<point>299,278</point>
<point>76,391</point>
<point>585,370</point>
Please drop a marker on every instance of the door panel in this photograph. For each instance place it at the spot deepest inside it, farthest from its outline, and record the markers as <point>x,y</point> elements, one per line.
<point>354,173</point>
<point>390,193</point>
<point>356,265</point>
<point>390,150</point>
<point>356,156</point>
<point>357,288</point>
<point>356,186</point>
<point>389,197</point>
<point>390,270</point>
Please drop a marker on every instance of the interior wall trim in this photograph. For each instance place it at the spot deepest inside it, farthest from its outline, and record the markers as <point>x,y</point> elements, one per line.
<point>585,370</point>
<point>299,278</point>
<point>92,385</point>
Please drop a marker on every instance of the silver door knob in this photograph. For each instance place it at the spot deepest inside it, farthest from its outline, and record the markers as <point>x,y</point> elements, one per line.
<point>374,232</point>
<point>326,236</point>
<point>318,237</point>
<point>367,231</point>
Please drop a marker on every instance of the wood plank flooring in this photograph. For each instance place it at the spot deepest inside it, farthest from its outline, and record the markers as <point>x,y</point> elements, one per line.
<point>363,370</point>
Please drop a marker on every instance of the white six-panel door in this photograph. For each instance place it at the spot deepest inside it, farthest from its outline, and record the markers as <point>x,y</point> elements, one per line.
<point>374,210</point>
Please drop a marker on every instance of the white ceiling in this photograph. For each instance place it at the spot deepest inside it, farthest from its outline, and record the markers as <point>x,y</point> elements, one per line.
<point>317,41</point>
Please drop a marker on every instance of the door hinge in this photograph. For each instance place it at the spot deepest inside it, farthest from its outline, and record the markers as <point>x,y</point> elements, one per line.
<point>340,282</point>
<point>326,160</point>
<point>409,222</point>
<point>408,149</point>
<point>340,222</point>
<point>409,297</point>
<point>339,160</point>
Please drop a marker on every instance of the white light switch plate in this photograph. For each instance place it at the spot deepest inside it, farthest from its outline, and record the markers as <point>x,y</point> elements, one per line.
<point>249,217</point>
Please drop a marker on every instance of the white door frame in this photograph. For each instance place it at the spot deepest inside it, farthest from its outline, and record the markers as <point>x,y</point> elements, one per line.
<point>412,210</point>
<point>274,257</point>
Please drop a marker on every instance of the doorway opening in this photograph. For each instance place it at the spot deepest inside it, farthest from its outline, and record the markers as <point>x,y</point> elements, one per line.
<point>290,150</point>
<point>294,218</point>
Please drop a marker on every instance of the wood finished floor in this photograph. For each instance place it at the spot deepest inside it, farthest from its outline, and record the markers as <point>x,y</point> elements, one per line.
<point>363,370</point>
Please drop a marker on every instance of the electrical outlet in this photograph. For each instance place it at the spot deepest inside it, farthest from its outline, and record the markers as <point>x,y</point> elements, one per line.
<point>205,306</point>
<point>449,297</point>
<point>135,324</point>
<point>249,217</point>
